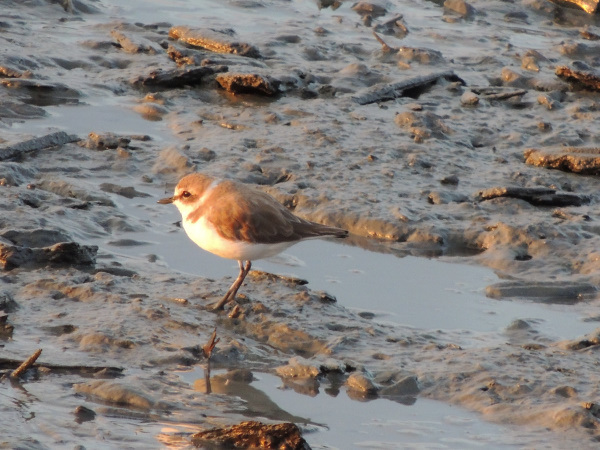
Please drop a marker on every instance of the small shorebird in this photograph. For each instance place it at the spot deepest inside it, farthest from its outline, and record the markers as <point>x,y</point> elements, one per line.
<point>236,221</point>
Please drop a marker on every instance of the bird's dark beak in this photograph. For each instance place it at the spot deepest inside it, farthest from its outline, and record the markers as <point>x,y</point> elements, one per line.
<point>166,201</point>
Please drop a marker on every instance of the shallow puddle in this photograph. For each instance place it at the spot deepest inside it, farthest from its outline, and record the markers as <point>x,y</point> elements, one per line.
<point>333,420</point>
<point>410,291</point>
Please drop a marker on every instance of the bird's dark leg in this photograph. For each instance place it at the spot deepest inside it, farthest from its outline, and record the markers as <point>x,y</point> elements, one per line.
<point>230,295</point>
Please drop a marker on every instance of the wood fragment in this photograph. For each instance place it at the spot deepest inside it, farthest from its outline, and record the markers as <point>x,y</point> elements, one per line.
<point>584,76</point>
<point>392,91</point>
<point>497,93</point>
<point>252,434</point>
<point>213,41</point>
<point>384,47</point>
<point>248,83</point>
<point>26,364</point>
<point>41,143</point>
<point>210,345</point>
<point>582,160</point>
<point>589,6</point>
<point>106,371</point>
<point>235,312</point>
<point>534,196</point>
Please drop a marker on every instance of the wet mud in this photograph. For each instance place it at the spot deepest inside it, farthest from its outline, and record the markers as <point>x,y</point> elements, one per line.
<point>447,133</point>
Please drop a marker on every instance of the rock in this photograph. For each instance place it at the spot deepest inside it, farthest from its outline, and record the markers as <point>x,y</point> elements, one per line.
<point>518,325</point>
<point>7,303</point>
<point>361,384</point>
<point>580,75</point>
<point>583,160</point>
<point>589,6</point>
<point>132,45</point>
<point>206,154</point>
<point>549,101</point>
<point>39,237</point>
<point>184,76</point>
<point>408,386</point>
<point>394,27</point>
<point>6,329</point>
<point>469,99</point>
<point>214,41</point>
<point>530,63</point>
<point>420,55</point>
<point>83,414</point>
<point>370,8</point>
<point>443,198</point>
<point>296,369</point>
<point>248,83</point>
<point>459,7</point>
<point>252,434</point>
<point>450,179</point>
<point>423,125</point>
<point>116,393</point>
<point>105,141</point>
<point>535,196</point>
<point>69,253</point>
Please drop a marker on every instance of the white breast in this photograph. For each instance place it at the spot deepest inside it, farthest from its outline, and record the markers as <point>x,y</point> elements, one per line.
<point>207,238</point>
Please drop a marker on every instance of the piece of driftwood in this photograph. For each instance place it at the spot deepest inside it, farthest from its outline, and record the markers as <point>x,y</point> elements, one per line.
<point>535,196</point>
<point>108,371</point>
<point>31,145</point>
<point>208,348</point>
<point>583,160</point>
<point>248,83</point>
<point>589,6</point>
<point>252,434</point>
<point>497,92</point>
<point>382,93</point>
<point>26,364</point>
<point>184,76</point>
<point>213,41</point>
<point>581,75</point>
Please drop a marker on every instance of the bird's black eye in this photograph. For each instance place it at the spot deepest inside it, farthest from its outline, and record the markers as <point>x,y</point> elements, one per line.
<point>186,194</point>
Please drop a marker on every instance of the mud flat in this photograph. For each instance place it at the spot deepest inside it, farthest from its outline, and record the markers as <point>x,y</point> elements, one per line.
<point>471,148</point>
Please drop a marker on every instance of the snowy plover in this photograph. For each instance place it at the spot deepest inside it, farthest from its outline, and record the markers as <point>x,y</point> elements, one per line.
<point>233,220</point>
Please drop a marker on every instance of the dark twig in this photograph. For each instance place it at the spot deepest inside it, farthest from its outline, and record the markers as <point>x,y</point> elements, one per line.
<point>210,345</point>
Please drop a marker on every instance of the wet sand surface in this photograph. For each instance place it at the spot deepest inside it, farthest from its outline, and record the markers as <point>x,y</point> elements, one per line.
<point>463,310</point>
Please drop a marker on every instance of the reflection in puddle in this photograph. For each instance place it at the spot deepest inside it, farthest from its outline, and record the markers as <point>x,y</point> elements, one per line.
<point>332,419</point>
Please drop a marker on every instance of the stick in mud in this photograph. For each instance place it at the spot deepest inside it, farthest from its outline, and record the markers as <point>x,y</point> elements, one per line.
<point>48,141</point>
<point>210,345</point>
<point>207,351</point>
<point>26,365</point>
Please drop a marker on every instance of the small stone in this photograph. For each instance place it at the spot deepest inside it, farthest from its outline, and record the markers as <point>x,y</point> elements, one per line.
<point>459,7</point>
<point>469,99</point>
<point>361,384</point>
<point>450,179</point>
<point>83,414</point>
<point>406,386</point>
<point>530,63</point>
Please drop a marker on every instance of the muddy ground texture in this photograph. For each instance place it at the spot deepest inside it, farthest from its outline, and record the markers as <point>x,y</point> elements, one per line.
<point>481,162</point>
